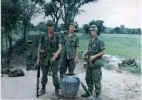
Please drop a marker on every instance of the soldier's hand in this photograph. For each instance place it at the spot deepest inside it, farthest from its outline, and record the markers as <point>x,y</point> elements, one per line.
<point>53,59</point>
<point>37,63</point>
<point>85,53</point>
<point>92,58</point>
<point>76,59</point>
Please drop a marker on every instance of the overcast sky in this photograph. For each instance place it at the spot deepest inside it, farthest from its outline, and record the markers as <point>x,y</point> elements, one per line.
<point>113,12</point>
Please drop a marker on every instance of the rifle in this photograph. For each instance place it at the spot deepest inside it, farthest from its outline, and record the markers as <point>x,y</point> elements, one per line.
<point>38,77</point>
<point>88,92</point>
<point>85,88</point>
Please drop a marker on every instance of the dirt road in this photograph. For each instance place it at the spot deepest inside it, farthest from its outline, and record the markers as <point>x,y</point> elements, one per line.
<point>115,86</point>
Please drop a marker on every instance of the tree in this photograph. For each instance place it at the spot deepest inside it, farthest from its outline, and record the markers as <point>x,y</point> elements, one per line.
<point>71,8</point>
<point>10,17</point>
<point>53,10</point>
<point>29,10</point>
<point>42,26</point>
<point>139,31</point>
<point>15,12</point>
<point>65,10</point>
<point>86,28</point>
<point>117,30</point>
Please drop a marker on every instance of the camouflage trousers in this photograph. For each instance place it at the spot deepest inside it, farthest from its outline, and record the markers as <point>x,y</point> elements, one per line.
<point>45,67</point>
<point>67,65</point>
<point>93,78</point>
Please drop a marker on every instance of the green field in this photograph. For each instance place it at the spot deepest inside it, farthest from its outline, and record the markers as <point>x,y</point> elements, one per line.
<point>118,44</point>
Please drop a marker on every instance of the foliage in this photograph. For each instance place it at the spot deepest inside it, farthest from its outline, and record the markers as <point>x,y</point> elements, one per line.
<point>64,10</point>
<point>53,10</point>
<point>86,28</point>
<point>15,13</point>
<point>41,26</point>
<point>122,30</point>
<point>10,17</point>
<point>29,10</point>
<point>98,23</point>
<point>10,14</point>
<point>117,30</point>
<point>71,8</point>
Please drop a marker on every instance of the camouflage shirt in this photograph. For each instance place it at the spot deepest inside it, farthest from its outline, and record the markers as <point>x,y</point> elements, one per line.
<point>96,46</point>
<point>71,43</point>
<point>62,38</point>
<point>49,45</point>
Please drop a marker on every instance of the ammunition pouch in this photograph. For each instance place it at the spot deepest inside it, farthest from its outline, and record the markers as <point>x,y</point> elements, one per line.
<point>97,63</point>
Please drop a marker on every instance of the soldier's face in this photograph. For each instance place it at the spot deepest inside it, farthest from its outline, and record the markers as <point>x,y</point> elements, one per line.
<point>93,33</point>
<point>72,28</point>
<point>50,28</point>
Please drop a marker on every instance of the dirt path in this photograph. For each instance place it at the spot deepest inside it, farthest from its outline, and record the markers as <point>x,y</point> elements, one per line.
<point>115,86</point>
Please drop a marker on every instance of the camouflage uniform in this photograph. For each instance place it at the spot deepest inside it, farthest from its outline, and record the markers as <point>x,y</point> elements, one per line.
<point>48,47</point>
<point>94,73</point>
<point>71,43</point>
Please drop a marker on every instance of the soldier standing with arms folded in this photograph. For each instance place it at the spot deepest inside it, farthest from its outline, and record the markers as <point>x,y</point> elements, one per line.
<point>48,56</point>
<point>95,52</point>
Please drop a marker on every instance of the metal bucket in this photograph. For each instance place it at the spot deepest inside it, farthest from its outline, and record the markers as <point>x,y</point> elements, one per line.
<point>69,86</point>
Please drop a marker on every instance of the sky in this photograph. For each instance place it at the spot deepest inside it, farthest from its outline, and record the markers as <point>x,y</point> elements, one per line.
<point>112,12</point>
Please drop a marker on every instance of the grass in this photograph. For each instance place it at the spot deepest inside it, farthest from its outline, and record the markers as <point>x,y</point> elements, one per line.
<point>116,44</point>
<point>124,45</point>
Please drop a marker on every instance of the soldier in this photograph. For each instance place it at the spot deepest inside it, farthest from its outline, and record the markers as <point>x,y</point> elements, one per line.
<point>70,51</point>
<point>48,57</point>
<point>95,52</point>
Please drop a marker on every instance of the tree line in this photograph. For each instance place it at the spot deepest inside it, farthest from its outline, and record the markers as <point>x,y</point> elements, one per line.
<point>109,30</point>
